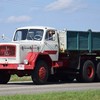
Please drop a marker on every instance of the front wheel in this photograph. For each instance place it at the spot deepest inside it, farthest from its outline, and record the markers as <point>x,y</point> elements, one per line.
<point>40,73</point>
<point>4,77</point>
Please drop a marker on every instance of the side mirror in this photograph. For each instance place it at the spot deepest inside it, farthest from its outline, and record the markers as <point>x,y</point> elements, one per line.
<point>3,36</point>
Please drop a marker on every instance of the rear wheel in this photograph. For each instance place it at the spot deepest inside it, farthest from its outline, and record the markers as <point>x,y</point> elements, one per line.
<point>98,72</point>
<point>40,73</point>
<point>4,77</point>
<point>87,72</point>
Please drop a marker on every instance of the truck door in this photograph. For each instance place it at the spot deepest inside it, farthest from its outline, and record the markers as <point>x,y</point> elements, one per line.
<point>51,44</point>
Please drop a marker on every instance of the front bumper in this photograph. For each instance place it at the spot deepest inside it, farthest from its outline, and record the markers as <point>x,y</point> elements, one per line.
<point>15,67</point>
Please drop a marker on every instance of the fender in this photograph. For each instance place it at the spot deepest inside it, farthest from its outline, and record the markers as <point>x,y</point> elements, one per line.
<point>32,57</point>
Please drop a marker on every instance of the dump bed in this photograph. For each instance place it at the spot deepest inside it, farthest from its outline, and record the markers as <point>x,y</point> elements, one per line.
<point>79,40</point>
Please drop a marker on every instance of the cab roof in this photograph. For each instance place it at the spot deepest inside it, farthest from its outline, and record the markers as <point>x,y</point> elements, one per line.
<point>36,27</point>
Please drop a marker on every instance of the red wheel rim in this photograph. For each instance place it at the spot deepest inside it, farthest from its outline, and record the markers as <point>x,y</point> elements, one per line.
<point>42,73</point>
<point>90,71</point>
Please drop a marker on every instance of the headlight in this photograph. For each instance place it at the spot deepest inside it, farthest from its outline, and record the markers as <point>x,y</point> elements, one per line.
<point>25,61</point>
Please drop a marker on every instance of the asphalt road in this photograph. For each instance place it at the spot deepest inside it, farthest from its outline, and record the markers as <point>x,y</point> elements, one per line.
<point>29,88</point>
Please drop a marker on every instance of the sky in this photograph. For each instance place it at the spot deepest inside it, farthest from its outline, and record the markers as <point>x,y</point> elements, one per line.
<point>60,14</point>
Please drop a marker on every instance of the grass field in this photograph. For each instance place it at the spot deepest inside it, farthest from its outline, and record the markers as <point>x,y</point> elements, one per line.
<point>80,95</point>
<point>16,78</point>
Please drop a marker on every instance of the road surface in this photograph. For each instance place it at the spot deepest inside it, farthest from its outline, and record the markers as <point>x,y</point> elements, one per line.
<point>14,88</point>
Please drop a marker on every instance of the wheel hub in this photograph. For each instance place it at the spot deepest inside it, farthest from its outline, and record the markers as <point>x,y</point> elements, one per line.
<point>42,73</point>
<point>90,72</point>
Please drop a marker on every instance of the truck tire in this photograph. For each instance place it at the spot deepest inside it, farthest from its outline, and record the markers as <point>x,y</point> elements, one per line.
<point>4,77</point>
<point>40,73</point>
<point>98,72</point>
<point>87,72</point>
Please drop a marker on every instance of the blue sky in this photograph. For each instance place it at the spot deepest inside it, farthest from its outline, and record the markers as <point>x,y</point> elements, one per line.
<point>60,14</point>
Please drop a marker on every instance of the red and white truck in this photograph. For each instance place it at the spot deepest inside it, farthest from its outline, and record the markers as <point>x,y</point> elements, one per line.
<point>47,54</point>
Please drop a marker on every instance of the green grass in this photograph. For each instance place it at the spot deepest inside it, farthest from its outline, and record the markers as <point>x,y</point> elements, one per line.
<point>80,95</point>
<point>16,78</point>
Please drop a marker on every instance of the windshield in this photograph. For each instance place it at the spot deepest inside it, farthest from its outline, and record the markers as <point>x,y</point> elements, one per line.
<point>25,34</point>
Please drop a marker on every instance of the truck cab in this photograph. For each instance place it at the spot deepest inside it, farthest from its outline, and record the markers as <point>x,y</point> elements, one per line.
<point>30,45</point>
<point>37,39</point>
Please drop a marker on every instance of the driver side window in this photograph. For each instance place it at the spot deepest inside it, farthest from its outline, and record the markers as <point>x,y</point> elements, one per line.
<point>50,35</point>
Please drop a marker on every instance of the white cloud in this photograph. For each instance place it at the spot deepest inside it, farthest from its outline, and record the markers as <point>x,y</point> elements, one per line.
<point>71,5</point>
<point>18,19</point>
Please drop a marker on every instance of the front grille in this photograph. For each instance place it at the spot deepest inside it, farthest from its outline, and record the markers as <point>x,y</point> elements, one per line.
<point>7,51</point>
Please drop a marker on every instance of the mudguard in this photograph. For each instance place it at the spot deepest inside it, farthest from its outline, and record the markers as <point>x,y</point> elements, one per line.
<point>32,57</point>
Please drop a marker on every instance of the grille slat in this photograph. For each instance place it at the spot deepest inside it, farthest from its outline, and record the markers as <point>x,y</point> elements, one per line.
<point>7,50</point>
